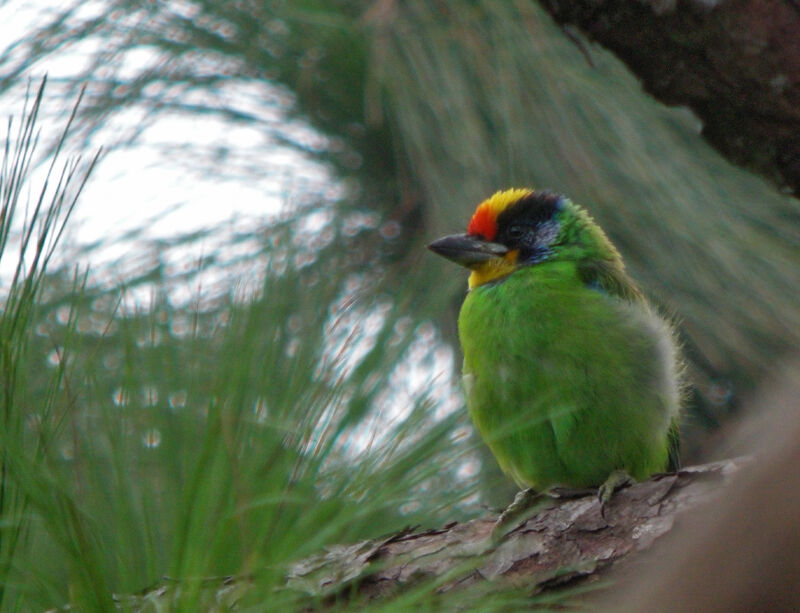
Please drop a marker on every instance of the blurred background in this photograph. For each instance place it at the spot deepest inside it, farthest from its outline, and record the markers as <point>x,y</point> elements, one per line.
<point>239,350</point>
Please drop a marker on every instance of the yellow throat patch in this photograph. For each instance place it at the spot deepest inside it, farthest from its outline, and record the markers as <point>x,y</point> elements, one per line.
<point>495,268</point>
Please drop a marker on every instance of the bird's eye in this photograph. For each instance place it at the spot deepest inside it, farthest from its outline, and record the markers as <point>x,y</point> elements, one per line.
<point>516,232</point>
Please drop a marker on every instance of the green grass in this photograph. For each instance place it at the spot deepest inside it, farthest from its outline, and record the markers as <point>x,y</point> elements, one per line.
<point>193,443</point>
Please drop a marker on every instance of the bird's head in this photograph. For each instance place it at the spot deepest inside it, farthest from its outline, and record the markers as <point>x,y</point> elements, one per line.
<point>524,227</point>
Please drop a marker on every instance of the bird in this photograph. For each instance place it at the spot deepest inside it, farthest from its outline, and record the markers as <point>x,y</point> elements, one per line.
<point>571,377</point>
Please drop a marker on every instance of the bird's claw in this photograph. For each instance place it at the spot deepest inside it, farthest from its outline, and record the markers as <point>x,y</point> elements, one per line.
<point>616,480</point>
<point>523,501</point>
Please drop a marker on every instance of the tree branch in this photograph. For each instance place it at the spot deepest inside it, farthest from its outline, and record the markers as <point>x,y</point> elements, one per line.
<point>568,541</point>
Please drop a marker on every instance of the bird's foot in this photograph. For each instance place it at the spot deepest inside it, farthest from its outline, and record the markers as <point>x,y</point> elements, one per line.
<point>616,480</point>
<point>525,504</point>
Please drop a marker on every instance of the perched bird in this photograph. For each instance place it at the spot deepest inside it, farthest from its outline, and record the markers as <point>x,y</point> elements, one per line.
<point>571,377</point>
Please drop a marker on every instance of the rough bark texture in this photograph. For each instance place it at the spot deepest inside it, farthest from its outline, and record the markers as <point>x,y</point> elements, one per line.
<point>735,63</point>
<point>567,542</point>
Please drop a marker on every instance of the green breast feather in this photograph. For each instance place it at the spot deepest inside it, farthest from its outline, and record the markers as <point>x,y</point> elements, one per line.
<point>567,383</point>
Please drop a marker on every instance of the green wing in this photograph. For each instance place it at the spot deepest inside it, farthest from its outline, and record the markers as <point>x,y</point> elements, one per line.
<point>609,277</point>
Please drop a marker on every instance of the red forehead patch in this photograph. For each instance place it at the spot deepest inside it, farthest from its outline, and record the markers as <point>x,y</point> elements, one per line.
<point>483,222</point>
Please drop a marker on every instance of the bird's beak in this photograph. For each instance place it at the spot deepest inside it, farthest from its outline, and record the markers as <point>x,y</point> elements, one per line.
<point>467,250</point>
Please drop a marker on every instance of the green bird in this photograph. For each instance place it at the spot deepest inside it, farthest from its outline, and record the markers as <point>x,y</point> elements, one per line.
<point>571,377</point>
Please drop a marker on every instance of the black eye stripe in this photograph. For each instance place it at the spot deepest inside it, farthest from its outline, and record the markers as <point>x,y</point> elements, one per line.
<point>531,226</point>
<point>531,210</point>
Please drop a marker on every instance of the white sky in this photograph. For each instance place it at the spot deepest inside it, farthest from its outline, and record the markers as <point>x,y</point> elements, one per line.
<point>162,184</point>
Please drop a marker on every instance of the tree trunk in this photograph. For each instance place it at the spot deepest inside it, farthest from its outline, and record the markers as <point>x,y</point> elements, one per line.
<point>735,63</point>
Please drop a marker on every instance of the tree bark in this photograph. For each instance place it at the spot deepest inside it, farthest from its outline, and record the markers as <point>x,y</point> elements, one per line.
<point>735,63</point>
<point>567,542</point>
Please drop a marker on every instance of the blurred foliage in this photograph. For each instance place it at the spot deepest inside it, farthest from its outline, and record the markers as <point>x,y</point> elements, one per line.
<point>236,436</point>
<point>430,106</point>
<point>234,440</point>
<point>139,442</point>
